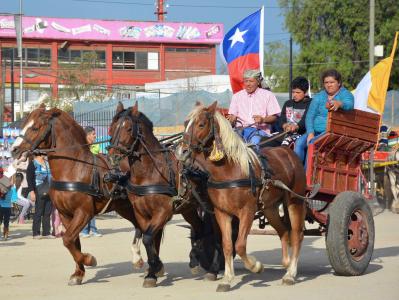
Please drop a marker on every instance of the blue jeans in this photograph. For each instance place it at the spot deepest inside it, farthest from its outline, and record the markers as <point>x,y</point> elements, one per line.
<point>301,146</point>
<point>253,135</point>
<point>91,226</point>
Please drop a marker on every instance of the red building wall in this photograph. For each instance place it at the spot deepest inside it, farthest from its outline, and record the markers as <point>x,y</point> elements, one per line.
<point>171,65</point>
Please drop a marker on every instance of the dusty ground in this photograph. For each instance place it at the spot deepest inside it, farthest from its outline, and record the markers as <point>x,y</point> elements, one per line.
<point>39,269</point>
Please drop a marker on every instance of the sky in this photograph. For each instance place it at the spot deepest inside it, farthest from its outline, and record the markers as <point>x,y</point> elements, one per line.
<point>228,12</point>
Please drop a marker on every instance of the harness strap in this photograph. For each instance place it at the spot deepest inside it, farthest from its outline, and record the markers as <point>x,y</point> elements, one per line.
<point>75,187</point>
<point>142,190</point>
<point>234,183</point>
<point>95,177</point>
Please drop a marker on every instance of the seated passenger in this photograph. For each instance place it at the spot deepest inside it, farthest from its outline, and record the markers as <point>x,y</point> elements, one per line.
<point>292,119</point>
<point>254,107</point>
<point>333,97</point>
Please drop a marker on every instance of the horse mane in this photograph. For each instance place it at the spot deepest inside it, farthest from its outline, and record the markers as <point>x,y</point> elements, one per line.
<point>236,150</point>
<point>68,119</point>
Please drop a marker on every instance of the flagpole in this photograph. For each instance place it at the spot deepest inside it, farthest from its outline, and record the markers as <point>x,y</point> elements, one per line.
<point>261,41</point>
<point>290,84</point>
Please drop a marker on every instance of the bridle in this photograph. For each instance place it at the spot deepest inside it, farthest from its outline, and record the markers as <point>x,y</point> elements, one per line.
<point>35,144</point>
<point>201,144</point>
<point>136,135</point>
<point>132,153</point>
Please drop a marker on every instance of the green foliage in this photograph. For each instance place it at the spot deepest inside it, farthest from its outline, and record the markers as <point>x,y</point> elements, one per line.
<point>79,83</point>
<point>276,61</point>
<point>334,34</point>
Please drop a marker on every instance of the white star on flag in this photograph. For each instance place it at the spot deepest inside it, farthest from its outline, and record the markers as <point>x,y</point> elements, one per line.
<point>237,37</point>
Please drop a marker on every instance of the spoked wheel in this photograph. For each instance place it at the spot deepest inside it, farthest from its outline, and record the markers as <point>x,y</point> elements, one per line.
<point>350,234</point>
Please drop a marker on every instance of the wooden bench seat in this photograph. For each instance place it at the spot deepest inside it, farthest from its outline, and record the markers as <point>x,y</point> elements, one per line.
<point>334,158</point>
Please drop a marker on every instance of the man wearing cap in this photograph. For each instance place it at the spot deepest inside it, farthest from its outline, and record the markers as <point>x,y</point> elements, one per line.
<point>254,108</point>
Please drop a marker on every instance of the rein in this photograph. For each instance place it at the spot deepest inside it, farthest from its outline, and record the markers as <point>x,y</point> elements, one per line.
<point>92,188</point>
<point>142,190</point>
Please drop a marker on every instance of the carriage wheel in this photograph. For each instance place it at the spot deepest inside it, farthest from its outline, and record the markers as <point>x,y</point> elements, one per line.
<point>350,234</point>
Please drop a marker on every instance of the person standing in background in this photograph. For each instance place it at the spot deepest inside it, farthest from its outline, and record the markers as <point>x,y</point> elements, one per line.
<point>90,228</point>
<point>39,181</point>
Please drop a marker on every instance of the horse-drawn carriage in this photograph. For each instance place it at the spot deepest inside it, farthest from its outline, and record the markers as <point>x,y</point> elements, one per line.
<point>333,162</point>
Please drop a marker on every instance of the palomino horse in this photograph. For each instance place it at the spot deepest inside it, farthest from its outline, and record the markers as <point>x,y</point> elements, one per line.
<point>240,184</point>
<point>77,189</point>
<point>152,186</point>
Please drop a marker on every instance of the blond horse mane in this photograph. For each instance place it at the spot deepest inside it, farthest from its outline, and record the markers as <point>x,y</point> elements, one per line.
<point>236,150</point>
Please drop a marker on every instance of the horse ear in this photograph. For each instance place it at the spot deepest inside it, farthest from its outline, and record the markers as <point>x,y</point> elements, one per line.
<point>198,103</point>
<point>120,107</point>
<point>42,106</point>
<point>212,107</point>
<point>135,109</point>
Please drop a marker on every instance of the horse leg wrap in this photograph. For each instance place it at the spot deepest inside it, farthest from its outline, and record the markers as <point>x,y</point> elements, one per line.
<point>154,263</point>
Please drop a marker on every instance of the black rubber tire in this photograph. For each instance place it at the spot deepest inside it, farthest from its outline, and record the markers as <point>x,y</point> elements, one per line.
<point>348,205</point>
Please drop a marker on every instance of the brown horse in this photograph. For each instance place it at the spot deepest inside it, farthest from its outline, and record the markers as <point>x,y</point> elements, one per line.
<point>240,184</point>
<point>77,189</point>
<point>152,186</point>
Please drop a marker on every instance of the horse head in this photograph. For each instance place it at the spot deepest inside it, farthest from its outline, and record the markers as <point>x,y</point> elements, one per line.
<point>128,129</point>
<point>201,134</point>
<point>37,132</point>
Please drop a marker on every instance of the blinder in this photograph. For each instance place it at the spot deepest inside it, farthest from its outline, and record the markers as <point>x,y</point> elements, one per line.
<point>36,143</point>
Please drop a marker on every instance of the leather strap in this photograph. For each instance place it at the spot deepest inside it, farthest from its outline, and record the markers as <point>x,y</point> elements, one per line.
<point>75,187</point>
<point>233,183</point>
<point>143,190</point>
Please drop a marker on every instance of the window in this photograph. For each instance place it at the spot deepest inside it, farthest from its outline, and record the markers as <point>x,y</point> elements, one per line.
<point>31,57</point>
<point>142,60</point>
<point>191,50</point>
<point>127,60</point>
<point>117,60</point>
<point>67,57</point>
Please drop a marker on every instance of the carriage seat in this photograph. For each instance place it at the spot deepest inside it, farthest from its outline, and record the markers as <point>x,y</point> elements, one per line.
<point>334,158</point>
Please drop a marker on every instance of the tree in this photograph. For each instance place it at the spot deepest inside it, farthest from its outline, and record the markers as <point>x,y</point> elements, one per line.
<point>79,82</point>
<point>276,66</point>
<point>334,34</point>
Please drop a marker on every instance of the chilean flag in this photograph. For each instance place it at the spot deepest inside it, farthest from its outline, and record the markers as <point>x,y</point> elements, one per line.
<point>242,48</point>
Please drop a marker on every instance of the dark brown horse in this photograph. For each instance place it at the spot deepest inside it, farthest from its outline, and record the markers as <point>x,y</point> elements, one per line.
<point>77,189</point>
<point>153,186</point>
<point>240,184</point>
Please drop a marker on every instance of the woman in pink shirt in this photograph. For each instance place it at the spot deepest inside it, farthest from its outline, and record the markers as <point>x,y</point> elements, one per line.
<point>254,107</point>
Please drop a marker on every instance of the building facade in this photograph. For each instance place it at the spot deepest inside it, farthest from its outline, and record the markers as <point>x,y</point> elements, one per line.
<point>124,55</point>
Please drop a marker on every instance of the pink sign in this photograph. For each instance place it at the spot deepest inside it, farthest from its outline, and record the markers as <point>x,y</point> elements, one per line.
<point>102,30</point>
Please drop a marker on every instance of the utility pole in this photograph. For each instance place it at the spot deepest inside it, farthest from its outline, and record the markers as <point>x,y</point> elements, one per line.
<point>21,75</point>
<point>3,91</point>
<point>290,77</point>
<point>371,34</point>
<point>12,85</point>
<point>160,11</point>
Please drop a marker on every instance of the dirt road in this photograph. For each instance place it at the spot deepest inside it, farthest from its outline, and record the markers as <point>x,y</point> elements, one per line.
<point>39,269</point>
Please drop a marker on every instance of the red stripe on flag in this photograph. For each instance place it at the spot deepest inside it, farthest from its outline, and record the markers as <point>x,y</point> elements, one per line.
<point>237,68</point>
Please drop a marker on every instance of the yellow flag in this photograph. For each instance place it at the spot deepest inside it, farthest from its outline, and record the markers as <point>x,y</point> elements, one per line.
<point>380,74</point>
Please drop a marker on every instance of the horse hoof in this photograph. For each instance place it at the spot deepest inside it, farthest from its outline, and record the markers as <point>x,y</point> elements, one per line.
<point>195,270</point>
<point>210,277</point>
<point>223,288</point>
<point>150,283</point>
<point>75,281</point>
<point>93,261</point>
<point>161,272</point>
<point>138,264</point>
<point>288,281</point>
<point>258,268</point>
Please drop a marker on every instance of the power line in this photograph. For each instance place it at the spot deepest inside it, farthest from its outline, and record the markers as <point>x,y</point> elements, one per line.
<point>176,5</point>
<point>114,2</point>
